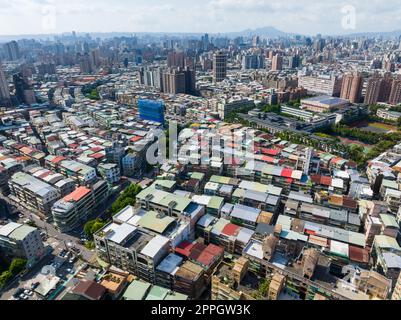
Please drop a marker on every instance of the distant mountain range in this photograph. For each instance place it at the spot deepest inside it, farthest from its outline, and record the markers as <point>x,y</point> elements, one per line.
<point>269,32</point>
<point>388,34</point>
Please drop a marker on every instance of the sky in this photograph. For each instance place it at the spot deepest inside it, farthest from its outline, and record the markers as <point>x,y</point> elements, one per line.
<point>307,17</point>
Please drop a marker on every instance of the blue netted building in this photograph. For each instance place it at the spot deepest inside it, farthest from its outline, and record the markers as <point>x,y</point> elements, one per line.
<point>151,110</point>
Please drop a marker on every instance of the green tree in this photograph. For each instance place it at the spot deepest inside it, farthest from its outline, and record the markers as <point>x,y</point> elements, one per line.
<point>5,277</point>
<point>91,227</point>
<point>127,198</point>
<point>17,266</point>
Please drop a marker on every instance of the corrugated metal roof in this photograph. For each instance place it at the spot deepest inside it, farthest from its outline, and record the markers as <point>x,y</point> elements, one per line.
<point>339,248</point>
<point>244,235</point>
<point>157,293</point>
<point>154,246</point>
<point>137,290</point>
<point>245,213</point>
<point>9,228</point>
<point>121,232</point>
<point>170,264</point>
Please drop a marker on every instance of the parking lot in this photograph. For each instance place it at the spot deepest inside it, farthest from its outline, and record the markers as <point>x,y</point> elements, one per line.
<point>64,263</point>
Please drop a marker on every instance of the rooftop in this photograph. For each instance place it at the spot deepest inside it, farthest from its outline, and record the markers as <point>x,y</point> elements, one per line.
<point>77,194</point>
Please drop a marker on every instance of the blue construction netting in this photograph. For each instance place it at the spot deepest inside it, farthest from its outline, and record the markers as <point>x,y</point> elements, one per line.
<point>151,110</point>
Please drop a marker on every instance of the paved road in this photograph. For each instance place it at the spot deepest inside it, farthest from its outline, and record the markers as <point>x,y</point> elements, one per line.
<point>19,282</point>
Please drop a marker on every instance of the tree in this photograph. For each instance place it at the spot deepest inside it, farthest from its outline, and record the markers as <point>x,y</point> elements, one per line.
<point>93,226</point>
<point>5,277</point>
<point>127,198</point>
<point>17,266</point>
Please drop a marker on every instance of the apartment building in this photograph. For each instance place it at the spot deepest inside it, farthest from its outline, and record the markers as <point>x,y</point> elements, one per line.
<point>224,108</point>
<point>388,115</point>
<point>109,172</point>
<point>231,281</point>
<point>172,205</point>
<point>77,207</point>
<point>327,85</point>
<point>58,181</point>
<point>132,249</point>
<point>397,290</point>
<point>138,240</point>
<point>33,193</point>
<point>22,241</point>
<point>82,174</point>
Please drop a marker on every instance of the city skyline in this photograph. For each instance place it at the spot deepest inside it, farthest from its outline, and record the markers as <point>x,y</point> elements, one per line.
<point>212,16</point>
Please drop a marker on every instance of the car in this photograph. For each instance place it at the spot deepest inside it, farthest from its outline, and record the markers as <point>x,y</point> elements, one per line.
<point>21,216</point>
<point>72,259</point>
<point>75,250</point>
<point>34,285</point>
<point>69,270</point>
<point>18,293</point>
<point>22,296</point>
<point>63,253</point>
<point>28,292</point>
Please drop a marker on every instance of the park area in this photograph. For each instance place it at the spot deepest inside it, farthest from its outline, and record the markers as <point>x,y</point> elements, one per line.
<point>375,127</point>
<point>351,142</point>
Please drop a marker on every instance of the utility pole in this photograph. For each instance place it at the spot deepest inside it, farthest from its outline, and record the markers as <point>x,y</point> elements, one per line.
<point>66,248</point>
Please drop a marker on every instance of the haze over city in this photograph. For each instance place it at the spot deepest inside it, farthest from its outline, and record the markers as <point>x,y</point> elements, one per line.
<point>213,16</point>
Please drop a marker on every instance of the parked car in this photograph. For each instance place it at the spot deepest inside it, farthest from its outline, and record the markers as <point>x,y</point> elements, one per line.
<point>18,293</point>
<point>34,285</point>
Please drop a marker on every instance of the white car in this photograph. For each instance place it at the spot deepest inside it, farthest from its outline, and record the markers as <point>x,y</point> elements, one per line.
<point>28,292</point>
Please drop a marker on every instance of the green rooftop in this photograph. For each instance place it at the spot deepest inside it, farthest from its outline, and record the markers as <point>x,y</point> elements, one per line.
<point>386,242</point>
<point>157,293</point>
<point>176,296</point>
<point>136,290</point>
<point>389,221</point>
<point>20,233</point>
<point>168,184</point>
<point>197,175</point>
<point>215,202</point>
<point>181,203</point>
<point>152,221</point>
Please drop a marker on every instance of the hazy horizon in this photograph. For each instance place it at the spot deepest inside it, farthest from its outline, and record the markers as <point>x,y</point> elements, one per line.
<point>46,17</point>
